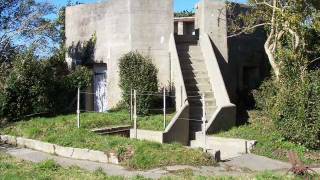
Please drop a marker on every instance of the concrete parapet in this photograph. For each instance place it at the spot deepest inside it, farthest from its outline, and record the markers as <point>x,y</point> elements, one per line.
<point>155,136</point>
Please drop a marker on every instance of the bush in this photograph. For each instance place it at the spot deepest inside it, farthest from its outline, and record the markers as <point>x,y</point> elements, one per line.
<point>296,112</point>
<point>37,87</point>
<point>137,72</point>
<point>294,106</point>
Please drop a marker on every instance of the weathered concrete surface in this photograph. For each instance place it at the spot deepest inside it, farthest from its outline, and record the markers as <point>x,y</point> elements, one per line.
<point>121,26</point>
<point>68,152</point>
<point>227,148</point>
<point>245,166</point>
<point>258,163</point>
<point>155,136</point>
<point>116,170</point>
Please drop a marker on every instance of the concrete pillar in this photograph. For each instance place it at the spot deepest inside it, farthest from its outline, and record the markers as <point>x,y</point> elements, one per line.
<point>180,27</point>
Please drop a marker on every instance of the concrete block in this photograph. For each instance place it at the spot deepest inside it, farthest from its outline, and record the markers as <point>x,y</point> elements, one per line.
<point>43,147</point>
<point>63,151</point>
<point>81,154</point>
<point>98,156</point>
<point>8,139</point>
<point>113,158</point>
<point>36,145</point>
<point>23,142</point>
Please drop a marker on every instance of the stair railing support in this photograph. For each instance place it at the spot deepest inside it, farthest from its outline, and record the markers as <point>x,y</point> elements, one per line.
<point>164,108</point>
<point>204,122</point>
<point>131,104</point>
<point>78,108</point>
<point>135,114</point>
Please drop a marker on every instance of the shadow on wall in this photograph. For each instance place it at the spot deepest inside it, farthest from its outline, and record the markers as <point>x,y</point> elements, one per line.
<point>82,53</point>
<point>249,67</point>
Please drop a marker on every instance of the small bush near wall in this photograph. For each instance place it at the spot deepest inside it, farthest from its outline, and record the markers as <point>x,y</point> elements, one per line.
<point>137,72</point>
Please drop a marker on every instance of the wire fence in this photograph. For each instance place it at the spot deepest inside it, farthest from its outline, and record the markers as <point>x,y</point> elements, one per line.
<point>160,112</point>
<point>158,115</point>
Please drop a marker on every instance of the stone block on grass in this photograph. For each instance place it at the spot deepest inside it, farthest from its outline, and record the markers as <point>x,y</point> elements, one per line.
<point>98,156</point>
<point>113,158</point>
<point>63,151</point>
<point>8,139</point>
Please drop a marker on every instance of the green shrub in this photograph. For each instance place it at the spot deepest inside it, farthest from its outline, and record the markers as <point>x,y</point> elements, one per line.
<point>137,72</point>
<point>294,106</point>
<point>34,86</point>
<point>296,112</point>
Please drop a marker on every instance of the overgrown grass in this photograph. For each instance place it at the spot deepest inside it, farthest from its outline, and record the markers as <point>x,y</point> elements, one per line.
<point>62,130</point>
<point>270,141</point>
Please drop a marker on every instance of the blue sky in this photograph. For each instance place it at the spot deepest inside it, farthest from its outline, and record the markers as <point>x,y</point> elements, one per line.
<point>179,4</point>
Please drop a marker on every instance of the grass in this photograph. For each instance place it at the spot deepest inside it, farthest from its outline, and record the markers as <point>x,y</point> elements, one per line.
<point>12,168</point>
<point>270,141</point>
<point>62,130</point>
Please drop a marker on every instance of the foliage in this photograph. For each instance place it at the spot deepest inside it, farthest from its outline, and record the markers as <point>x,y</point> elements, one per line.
<point>83,52</point>
<point>24,22</point>
<point>296,111</point>
<point>184,13</point>
<point>147,155</point>
<point>292,47</point>
<point>138,73</point>
<point>34,86</point>
<point>270,141</point>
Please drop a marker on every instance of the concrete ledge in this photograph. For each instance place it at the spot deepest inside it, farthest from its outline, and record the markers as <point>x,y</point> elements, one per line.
<point>68,152</point>
<point>8,139</point>
<point>226,147</point>
<point>155,136</point>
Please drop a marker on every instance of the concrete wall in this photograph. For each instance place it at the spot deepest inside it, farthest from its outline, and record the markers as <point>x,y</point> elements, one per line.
<point>211,22</point>
<point>121,26</point>
<point>211,19</point>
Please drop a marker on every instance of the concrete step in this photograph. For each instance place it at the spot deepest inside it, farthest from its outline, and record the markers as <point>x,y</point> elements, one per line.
<point>192,80</point>
<point>193,66</point>
<point>207,94</point>
<point>198,87</point>
<point>194,72</point>
<point>188,47</point>
<point>198,102</point>
<point>190,54</point>
<point>197,110</point>
<point>228,147</point>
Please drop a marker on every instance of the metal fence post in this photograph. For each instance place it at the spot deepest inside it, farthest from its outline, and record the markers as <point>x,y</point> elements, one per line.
<point>78,108</point>
<point>131,105</point>
<point>204,121</point>
<point>164,108</point>
<point>135,114</point>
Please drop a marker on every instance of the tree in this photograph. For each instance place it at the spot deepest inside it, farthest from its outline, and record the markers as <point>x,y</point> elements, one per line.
<point>24,22</point>
<point>289,25</point>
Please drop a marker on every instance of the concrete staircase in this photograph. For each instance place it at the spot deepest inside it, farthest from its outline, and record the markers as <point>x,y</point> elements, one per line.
<point>197,82</point>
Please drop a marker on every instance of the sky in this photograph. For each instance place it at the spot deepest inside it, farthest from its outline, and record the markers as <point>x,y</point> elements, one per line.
<point>179,4</point>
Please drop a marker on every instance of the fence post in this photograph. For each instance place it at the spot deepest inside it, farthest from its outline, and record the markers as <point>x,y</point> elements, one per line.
<point>131,105</point>
<point>204,121</point>
<point>135,113</point>
<point>164,108</point>
<point>78,108</point>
